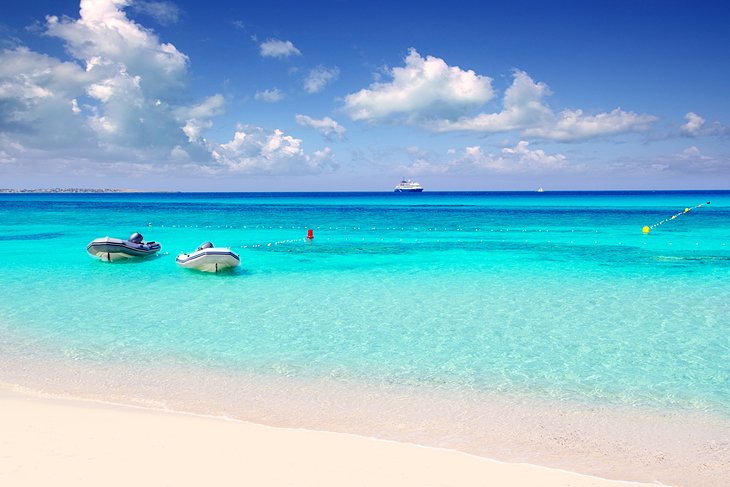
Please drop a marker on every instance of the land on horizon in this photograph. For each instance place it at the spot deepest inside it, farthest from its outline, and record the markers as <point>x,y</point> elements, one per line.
<point>74,190</point>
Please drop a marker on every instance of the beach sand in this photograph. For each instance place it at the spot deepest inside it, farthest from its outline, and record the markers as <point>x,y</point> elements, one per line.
<point>49,440</point>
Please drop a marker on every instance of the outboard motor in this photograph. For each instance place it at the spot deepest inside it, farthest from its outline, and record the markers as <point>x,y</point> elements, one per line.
<point>136,238</point>
<point>205,245</point>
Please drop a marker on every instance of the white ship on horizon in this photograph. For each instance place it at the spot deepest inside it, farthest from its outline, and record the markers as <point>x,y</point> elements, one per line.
<point>408,186</point>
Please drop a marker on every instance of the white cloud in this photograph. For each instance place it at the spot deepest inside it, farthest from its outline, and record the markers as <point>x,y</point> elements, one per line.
<point>691,154</point>
<point>118,104</point>
<point>522,107</point>
<point>694,124</point>
<point>425,88</point>
<point>194,128</point>
<point>179,154</point>
<point>36,99</point>
<point>692,160</point>
<point>104,38</point>
<point>436,96</point>
<point>319,77</point>
<point>210,107</point>
<point>126,71</point>
<point>121,85</point>
<point>197,117</point>
<point>272,96</point>
<point>253,150</point>
<point>524,111</point>
<point>519,159</point>
<point>166,13</point>
<point>696,127</point>
<point>278,49</point>
<point>574,125</point>
<point>326,126</point>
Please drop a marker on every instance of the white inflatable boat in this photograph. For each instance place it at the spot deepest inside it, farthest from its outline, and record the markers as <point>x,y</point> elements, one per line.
<point>110,249</point>
<point>208,258</point>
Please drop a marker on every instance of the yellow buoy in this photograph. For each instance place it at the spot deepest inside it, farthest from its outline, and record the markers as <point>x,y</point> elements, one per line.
<point>646,229</point>
<point>686,210</point>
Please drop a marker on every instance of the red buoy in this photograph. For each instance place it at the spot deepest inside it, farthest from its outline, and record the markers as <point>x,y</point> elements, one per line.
<point>310,234</point>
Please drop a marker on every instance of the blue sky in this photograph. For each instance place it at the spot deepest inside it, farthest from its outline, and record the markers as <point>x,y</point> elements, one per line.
<point>340,95</point>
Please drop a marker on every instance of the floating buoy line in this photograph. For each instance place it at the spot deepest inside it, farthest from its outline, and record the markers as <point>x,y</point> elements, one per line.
<point>648,228</point>
<point>479,235</point>
<point>373,229</point>
<point>271,244</point>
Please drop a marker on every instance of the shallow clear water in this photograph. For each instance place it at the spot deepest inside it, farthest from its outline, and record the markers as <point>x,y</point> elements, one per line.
<point>556,295</point>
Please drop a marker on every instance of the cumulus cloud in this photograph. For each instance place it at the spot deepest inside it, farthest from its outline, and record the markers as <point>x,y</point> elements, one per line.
<point>326,126</point>
<point>129,71</point>
<point>105,39</point>
<point>522,107</point>
<point>121,99</point>
<point>319,77</point>
<point>36,98</point>
<point>253,150</point>
<point>439,97</point>
<point>194,129</point>
<point>696,126</point>
<point>423,89</point>
<point>278,49</point>
<point>524,110</point>
<point>272,96</point>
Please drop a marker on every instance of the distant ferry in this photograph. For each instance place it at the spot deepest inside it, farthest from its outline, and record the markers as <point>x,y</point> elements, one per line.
<point>408,186</point>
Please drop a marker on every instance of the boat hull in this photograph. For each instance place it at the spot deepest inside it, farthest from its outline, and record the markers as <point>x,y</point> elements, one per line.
<point>209,260</point>
<point>408,186</point>
<point>112,249</point>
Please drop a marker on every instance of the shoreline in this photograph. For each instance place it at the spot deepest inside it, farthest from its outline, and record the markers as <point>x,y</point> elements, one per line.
<point>49,439</point>
<point>603,357</point>
<point>679,447</point>
<point>630,444</point>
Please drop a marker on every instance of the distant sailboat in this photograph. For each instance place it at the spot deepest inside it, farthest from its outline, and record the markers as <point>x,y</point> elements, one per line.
<point>540,190</point>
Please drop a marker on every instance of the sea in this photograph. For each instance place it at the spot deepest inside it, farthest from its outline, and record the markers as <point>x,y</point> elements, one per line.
<point>545,327</point>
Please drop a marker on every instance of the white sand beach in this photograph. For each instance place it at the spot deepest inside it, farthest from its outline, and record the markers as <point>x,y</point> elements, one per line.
<point>61,441</point>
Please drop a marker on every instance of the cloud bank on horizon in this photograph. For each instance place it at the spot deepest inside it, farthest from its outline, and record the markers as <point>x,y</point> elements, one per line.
<point>120,104</point>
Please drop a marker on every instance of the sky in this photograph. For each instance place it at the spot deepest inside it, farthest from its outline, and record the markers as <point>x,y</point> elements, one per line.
<point>338,95</point>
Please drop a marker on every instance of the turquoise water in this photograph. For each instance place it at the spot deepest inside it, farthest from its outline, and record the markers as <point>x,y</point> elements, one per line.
<point>556,295</point>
